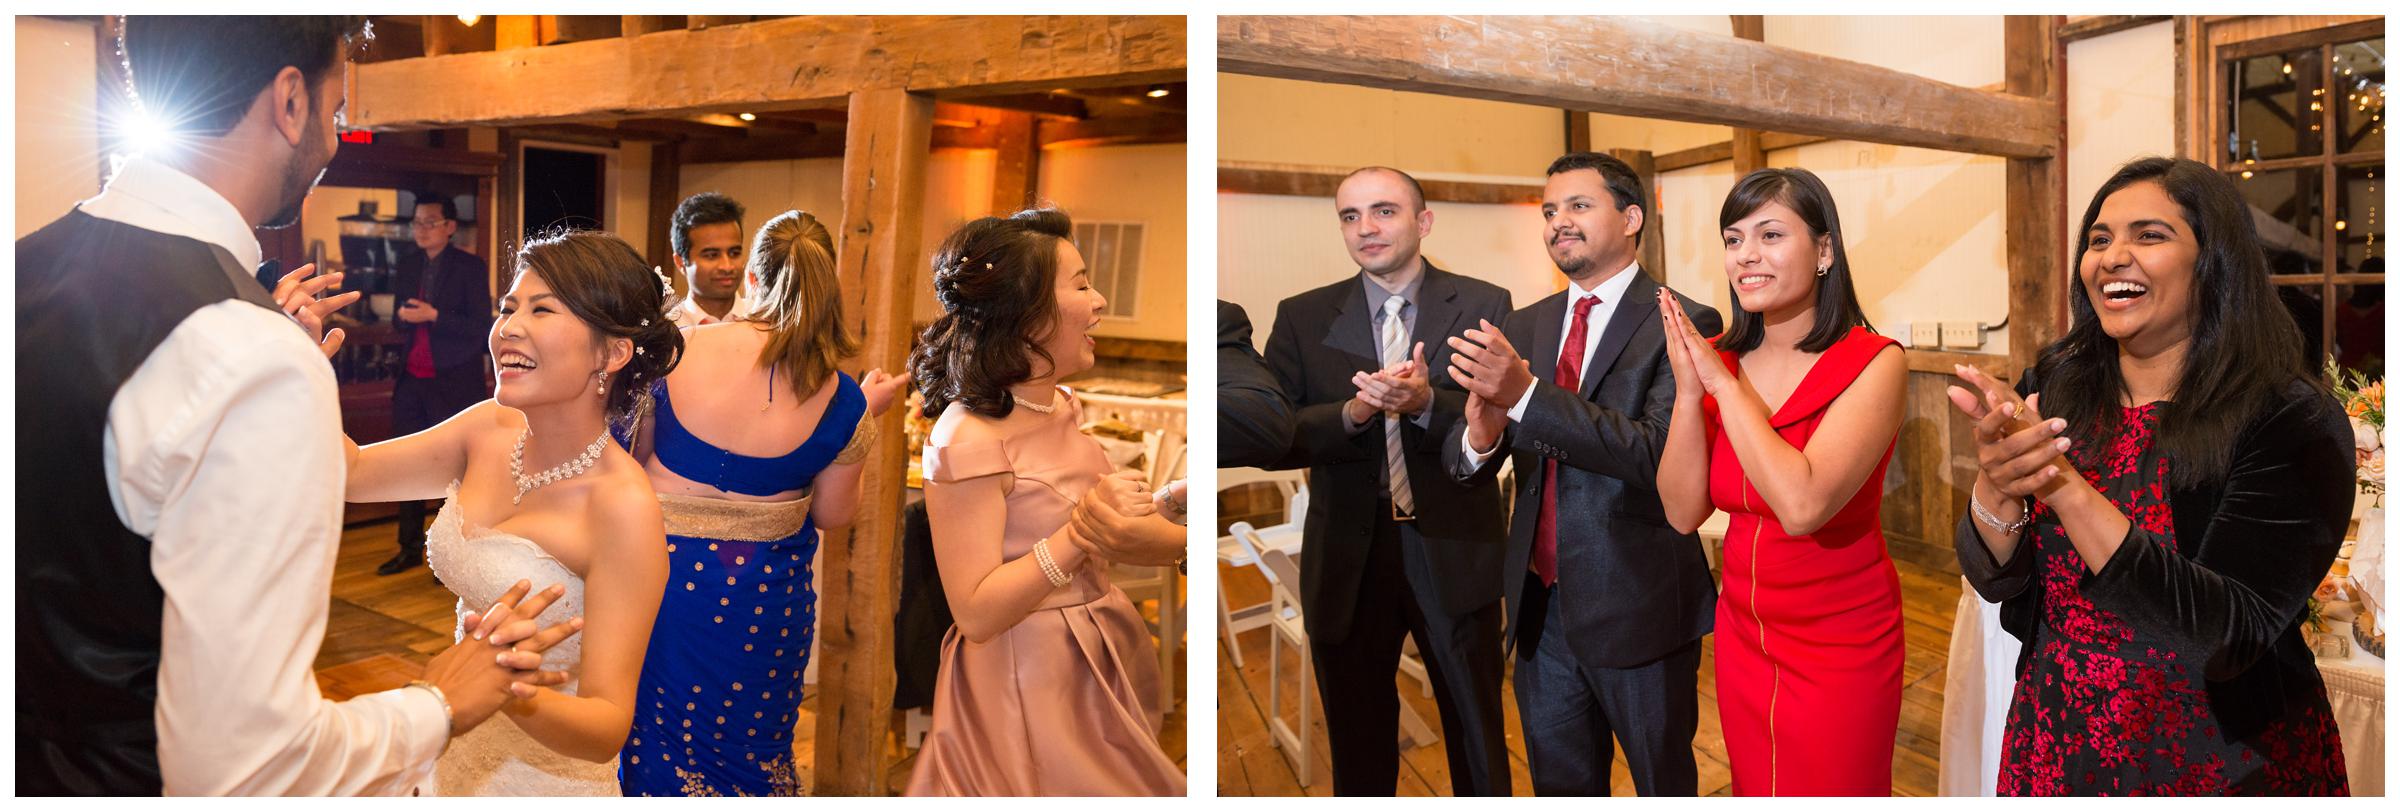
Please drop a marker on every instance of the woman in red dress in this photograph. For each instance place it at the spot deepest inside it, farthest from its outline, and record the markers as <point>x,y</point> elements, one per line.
<point>2156,569</point>
<point>1786,424</point>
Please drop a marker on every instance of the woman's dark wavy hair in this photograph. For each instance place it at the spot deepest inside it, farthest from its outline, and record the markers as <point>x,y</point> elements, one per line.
<point>1837,299</point>
<point>604,282</point>
<point>995,278</point>
<point>2244,350</point>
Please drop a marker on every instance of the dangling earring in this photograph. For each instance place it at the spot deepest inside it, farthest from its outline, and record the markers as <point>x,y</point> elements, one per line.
<point>1821,269</point>
<point>600,384</point>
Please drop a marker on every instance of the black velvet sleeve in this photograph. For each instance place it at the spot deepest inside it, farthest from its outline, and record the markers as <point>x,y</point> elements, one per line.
<point>1995,581</point>
<point>2243,579</point>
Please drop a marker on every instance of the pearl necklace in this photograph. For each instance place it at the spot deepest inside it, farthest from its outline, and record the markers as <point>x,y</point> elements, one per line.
<point>1038,408</point>
<point>565,470</point>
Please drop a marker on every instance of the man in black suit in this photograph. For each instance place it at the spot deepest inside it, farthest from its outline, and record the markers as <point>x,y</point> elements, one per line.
<point>1608,603</point>
<point>1393,545</point>
<point>445,314</point>
<point>1254,419</point>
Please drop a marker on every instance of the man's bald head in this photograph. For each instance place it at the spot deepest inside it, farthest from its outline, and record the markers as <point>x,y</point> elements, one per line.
<point>1416,190</point>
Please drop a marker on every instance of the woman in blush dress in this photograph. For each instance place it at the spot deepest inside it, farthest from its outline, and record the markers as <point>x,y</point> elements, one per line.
<point>534,490</point>
<point>2156,500</point>
<point>1049,678</point>
<point>755,445</point>
<point>1786,425</point>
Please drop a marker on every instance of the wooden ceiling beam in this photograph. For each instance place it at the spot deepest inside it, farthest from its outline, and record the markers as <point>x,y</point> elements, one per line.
<point>1111,132</point>
<point>788,62</point>
<point>1577,63</point>
<point>1046,105</point>
<point>732,150</point>
<point>1241,177</point>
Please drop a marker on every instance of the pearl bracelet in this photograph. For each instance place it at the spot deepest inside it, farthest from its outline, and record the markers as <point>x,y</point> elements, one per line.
<point>1050,570</point>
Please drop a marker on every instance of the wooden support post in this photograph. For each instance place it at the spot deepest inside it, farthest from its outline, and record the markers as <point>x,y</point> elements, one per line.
<point>880,259</point>
<point>1016,176</point>
<point>1579,131</point>
<point>513,31</point>
<point>1654,217</point>
<point>2034,196</point>
<point>666,191</point>
<point>1749,151</point>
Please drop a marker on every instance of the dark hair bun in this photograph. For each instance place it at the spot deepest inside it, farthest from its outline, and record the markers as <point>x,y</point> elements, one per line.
<point>993,278</point>
<point>605,283</point>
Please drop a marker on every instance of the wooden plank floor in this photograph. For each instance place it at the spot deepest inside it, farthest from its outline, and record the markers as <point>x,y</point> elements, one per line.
<point>382,630</point>
<point>1248,763</point>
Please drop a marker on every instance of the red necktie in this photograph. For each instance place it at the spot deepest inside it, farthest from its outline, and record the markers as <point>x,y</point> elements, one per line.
<point>1569,375</point>
<point>420,349</point>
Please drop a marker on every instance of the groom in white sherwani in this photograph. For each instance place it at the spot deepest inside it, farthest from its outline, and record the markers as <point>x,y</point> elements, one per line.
<point>180,459</point>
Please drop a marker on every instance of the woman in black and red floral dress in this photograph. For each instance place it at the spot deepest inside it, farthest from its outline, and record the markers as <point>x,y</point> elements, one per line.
<point>2156,501</point>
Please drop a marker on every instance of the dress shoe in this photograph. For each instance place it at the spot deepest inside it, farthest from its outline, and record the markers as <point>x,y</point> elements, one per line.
<point>405,561</point>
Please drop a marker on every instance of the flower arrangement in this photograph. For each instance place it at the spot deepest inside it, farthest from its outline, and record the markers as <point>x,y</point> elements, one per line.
<point>2353,589</point>
<point>2363,399</point>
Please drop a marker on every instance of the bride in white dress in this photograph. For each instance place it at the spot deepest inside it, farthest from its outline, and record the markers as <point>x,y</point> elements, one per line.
<point>536,491</point>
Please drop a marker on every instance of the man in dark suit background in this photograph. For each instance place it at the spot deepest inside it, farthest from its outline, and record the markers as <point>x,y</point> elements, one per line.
<point>1393,545</point>
<point>445,315</point>
<point>1254,419</point>
<point>1608,603</point>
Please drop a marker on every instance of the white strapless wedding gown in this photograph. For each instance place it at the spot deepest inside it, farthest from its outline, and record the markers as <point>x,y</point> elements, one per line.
<point>497,758</point>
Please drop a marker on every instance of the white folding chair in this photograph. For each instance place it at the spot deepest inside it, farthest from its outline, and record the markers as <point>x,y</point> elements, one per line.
<point>1231,622</point>
<point>1283,579</point>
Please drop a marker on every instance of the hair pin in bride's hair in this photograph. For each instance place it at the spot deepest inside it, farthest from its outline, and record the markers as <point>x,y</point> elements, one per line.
<point>666,292</point>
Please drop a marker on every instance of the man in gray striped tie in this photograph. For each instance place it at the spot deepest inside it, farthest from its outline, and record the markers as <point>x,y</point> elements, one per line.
<point>1393,546</point>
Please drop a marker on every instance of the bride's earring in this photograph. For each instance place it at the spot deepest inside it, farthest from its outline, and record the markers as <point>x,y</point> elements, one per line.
<point>600,384</point>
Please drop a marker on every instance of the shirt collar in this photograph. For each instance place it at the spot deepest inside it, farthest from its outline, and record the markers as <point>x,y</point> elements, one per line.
<point>153,196</point>
<point>1376,294</point>
<point>1609,291</point>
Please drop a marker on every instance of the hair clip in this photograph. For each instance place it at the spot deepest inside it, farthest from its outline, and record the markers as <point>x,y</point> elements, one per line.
<point>987,266</point>
<point>638,350</point>
<point>645,322</point>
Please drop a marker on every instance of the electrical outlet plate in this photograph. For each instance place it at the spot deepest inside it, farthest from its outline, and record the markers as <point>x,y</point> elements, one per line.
<point>1925,334</point>
<point>1962,335</point>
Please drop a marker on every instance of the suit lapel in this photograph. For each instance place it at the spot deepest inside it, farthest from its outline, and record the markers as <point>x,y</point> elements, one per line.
<point>1635,308</point>
<point>1548,316</point>
<point>1437,317</point>
<point>1353,331</point>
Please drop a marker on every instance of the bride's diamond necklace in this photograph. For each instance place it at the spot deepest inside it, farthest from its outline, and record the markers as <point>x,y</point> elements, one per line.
<point>565,470</point>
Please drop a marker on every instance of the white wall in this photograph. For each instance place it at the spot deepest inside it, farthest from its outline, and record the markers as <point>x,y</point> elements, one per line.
<point>1271,247</point>
<point>58,140</point>
<point>1140,184</point>
<point>2120,106</point>
<point>1924,228</point>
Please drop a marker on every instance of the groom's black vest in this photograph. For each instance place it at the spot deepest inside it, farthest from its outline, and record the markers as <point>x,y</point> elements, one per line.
<point>94,298</point>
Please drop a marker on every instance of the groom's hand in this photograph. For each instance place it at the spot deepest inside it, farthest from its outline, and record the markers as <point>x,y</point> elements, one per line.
<point>500,658</point>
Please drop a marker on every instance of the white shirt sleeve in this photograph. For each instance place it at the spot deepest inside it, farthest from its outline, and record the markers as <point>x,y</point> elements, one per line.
<point>223,452</point>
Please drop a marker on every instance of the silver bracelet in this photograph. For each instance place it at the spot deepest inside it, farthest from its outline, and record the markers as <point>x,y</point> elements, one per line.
<point>1174,509</point>
<point>1993,521</point>
<point>449,719</point>
<point>1050,570</point>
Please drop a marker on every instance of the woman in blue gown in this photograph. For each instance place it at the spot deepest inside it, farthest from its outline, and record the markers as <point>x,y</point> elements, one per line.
<point>755,443</point>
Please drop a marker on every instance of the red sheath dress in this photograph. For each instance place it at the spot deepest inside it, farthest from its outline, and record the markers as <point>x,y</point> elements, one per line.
<point>1808,626</point>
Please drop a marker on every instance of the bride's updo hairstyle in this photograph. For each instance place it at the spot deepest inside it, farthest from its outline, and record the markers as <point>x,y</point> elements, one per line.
<point>995,279</point>
<point>792,258</point>
<point>605,283</point>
